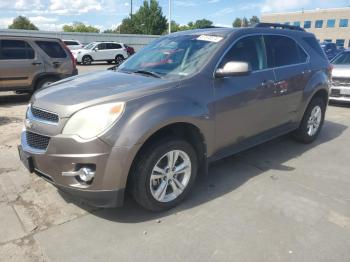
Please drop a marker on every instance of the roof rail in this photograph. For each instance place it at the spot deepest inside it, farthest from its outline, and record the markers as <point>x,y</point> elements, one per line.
<point>279,26</point>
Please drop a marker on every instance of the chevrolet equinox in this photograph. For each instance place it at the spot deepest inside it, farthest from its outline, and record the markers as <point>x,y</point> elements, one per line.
<point>185,100</point>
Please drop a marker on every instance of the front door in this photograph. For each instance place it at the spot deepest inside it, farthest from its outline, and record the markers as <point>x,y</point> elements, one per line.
<point>242,102</point>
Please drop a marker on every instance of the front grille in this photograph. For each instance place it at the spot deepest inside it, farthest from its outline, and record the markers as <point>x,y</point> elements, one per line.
<point>337,81</point>
<point>37,141</point>
<point>335,92</point>
<point>44,115</point>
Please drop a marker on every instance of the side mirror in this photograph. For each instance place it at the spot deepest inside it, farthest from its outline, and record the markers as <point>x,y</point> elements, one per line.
<point>233,68</point>
<point>96,49</point>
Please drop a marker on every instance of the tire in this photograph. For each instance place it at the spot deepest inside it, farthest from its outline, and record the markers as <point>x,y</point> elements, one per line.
<point>44,83</point>
<point>119,59</point>
<point>144,189</point>
<point>86,60</point>
<point>312,122</point>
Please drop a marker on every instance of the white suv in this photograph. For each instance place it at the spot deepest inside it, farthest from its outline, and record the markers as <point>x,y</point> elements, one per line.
<point>101,51</point>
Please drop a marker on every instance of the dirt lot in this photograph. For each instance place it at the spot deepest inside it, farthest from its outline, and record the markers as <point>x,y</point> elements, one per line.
<point>280,201</point>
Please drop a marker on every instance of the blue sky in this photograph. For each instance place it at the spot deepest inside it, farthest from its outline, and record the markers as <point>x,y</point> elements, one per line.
<point>52,14</point>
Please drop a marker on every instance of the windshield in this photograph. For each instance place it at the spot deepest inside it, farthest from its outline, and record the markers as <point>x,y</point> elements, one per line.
<point>89,46</point>
<point>173,56</point>
<point>342,59</point>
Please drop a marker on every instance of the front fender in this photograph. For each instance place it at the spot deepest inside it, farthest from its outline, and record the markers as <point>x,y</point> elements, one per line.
<point>141,122</point>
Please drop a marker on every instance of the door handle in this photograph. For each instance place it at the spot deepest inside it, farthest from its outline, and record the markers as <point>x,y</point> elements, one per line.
<point>36,63</point>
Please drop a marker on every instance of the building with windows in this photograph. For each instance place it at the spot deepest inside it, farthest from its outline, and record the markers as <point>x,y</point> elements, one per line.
<point>329,25</point>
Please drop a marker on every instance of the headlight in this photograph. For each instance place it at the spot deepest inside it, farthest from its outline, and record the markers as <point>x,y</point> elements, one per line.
<point>92,121</point>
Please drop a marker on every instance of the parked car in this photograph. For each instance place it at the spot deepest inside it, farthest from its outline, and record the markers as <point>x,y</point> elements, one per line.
<point>73,44</point>
<point>30,63</point>
<point>101,51</point>
<point>149,128</point>
<point>340,89</point>
<point>330,49</point>
<point>130,50</point>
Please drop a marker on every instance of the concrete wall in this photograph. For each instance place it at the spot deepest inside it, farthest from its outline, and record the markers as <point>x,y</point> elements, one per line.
<point>313,15</point>
<point>136,41</point>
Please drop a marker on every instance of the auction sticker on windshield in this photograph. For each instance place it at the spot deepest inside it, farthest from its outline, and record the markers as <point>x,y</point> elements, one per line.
<point>210,38</point>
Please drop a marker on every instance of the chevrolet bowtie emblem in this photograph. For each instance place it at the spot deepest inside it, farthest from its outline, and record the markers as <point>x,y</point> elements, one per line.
<point>28,123</point>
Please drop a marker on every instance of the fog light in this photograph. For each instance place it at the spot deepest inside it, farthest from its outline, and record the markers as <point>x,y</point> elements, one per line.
<point>85,174</point>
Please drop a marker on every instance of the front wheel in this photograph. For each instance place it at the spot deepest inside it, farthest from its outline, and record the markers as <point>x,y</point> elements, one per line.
<point>86,60</point>
<point>164,174</point>
<point>312,121</point>
<point>119,59</point>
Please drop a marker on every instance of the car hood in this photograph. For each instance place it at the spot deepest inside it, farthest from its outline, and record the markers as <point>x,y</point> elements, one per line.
<point>72,94</point>
<point>342,71</point>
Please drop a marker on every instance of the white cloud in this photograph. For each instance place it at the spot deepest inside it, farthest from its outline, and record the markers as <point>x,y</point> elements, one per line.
<point>276,6</point>
<point>74,7</point>
<point>182,3</point>
<point>5,22</point>
<point>21,5</point>
<point>213,1</point>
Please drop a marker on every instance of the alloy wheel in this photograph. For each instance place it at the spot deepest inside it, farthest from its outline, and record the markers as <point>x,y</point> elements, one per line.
<point>314,121</point>
<point>170,176</point>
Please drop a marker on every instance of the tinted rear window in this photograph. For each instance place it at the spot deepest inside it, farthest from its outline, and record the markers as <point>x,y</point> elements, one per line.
<point>113,46</point>
<point>52,49</point>
<point>15,49</point>
<point>71,43</point>
<point>283,51</point>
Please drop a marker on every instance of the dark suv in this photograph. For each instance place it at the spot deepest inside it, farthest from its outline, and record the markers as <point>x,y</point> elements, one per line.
<point>152,124</point>
<point>30,63</point>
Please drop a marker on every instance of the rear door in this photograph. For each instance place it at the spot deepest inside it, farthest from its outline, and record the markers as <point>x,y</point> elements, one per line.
<point>242,102</point>
<point>56,59</point>
<point>19,64</point>
<point>290,63</point>
<point>114,49</point>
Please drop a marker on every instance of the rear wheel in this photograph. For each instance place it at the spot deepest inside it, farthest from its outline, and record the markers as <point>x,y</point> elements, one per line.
<point>119,59</point>
<point>312,121</point>
<point>45,82</point>
<point>164,174</point>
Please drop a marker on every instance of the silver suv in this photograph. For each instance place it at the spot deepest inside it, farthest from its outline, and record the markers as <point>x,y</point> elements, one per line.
<point>30,63</point>
<point>187,99</point>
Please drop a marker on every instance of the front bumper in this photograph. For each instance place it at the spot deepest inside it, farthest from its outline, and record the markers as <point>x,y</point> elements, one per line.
<point>67,154</point>
<point>340,93</point>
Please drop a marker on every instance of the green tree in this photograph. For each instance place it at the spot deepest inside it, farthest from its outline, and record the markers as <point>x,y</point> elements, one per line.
<point>202,23</point>
<point>22,22</point>
<point>237,22</point>
<point>149,19</point>
<point>254,20</point>
<point>80,27</point>
<point>245,22</point>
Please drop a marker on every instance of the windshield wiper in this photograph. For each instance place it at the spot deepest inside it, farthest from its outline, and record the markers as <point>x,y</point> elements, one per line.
<point>145,72</point>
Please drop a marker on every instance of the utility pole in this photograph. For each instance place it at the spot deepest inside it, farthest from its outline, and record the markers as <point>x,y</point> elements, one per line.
<point>131,8</point>
<point>169,16</point>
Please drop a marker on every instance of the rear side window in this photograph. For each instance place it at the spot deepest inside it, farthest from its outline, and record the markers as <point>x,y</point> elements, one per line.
<point>101,46</point>
<point>249,49</point>
<point>283,51</point>
<point>15,50</point>
<point>312,42</point>
<point>52,49</point>
<point>113,46</point>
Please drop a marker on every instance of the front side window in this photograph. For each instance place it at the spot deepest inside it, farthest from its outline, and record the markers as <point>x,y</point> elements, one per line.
<point>52,49</point>
<point>174,56</point>
<point>90,46</point>
<point>342,59</point>
<point>343,22</point>
<point>331,23</point>
<point>296,23</point>
<point>101,46</point>
<point>283,51</point>
<point>249,49</point>
<point>319,24</point>
<point>15,50</point>
<point>307,24</point>
<point>328,40</point>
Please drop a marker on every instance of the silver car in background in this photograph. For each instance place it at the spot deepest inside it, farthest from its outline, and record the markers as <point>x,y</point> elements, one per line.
<point>340,89</point>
